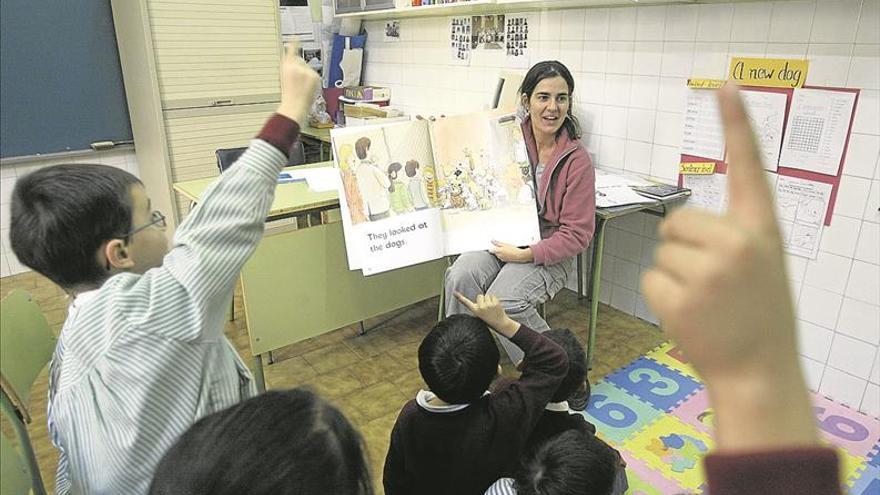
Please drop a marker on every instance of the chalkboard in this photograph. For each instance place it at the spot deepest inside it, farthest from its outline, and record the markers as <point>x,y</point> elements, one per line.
<point>61,81</point>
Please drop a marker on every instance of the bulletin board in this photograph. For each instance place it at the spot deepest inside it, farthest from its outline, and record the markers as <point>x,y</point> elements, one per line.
<point>810,151</point>
<point>61,78</point>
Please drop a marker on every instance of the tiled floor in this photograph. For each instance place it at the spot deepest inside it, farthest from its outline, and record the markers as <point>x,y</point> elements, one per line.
<point>368,376</point>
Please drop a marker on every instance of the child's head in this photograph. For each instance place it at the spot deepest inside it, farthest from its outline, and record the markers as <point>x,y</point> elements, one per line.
<point>361,147</point>
<point>577,362</point>
<point>393,169</point>
<point>411,168</point>
<point>458,359</point>
<point>313,450</point>
<point>79,224</point>
<point>571,463</point>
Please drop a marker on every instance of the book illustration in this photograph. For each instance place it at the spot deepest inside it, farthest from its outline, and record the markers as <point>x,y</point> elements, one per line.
<point>453,185</point>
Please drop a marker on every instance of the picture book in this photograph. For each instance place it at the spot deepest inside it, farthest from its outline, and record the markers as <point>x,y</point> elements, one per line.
<point>416,191</point>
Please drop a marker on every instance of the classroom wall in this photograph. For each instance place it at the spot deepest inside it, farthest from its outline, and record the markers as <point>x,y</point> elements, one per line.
<point>630,66</point>
<point>9,264</point>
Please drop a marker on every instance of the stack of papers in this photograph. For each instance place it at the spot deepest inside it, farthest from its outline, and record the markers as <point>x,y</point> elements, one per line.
<point>616,190</point>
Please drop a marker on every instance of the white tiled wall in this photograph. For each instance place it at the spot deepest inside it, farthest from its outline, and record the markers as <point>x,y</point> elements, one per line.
<point>9,264</point>
<point>630,67</point>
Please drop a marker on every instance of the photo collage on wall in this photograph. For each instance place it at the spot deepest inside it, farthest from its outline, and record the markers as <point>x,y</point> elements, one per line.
<point>460,39</point>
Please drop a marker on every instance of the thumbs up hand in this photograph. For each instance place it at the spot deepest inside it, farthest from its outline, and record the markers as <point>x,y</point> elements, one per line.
<point>720,290</point>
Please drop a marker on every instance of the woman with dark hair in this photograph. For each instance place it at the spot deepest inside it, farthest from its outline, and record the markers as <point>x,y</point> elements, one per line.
<point>524,277</point>
<point>290,442</point>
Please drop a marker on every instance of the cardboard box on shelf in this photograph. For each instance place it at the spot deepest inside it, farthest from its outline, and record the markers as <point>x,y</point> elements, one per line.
<point>366,93</point>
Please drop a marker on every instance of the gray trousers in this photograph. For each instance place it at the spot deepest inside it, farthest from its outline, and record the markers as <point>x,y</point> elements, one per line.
<point>521,287</point>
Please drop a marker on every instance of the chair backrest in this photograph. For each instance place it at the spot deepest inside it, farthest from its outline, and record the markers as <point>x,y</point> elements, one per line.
<point>28,343</point>
<point>227,156</point>
<point>24,453</point>
<point>14,475</point>
<point>507,92</point>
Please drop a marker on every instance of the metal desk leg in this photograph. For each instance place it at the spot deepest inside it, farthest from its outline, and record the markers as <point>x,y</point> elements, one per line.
<point>580,274</point>
<point>595,278</point>
<point>258,374</point>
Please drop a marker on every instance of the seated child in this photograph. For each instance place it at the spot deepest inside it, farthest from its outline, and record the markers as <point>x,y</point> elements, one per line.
<point>291,442</point>
<point>572,463</point>
<point>142,354</point>
<point>557,417</point>
<point>456,438</point>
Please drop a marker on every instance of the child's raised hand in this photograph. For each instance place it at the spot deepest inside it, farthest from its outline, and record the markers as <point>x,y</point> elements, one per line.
<point>298,85</point>
<point>489,309</point>
<point>720,289</point>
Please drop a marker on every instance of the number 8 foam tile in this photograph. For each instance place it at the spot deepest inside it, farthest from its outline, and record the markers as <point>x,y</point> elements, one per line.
<point>850,429</point>
<point>696,412</point>
<point>660,386</point>
<point>670,355</point>
<point>674,448</point>
<point>616,414</point>
<point>646,481</point>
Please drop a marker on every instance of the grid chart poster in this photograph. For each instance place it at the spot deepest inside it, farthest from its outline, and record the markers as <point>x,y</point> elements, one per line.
<point>460,31</point>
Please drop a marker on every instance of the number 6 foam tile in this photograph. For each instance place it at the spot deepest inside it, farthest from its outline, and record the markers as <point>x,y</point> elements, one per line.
<point>850,429</point>
<point>616,414</point>
<point>654,383</point>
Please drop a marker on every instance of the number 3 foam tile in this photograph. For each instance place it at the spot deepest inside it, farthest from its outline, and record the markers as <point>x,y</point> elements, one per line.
<point>646,481</point>
<point>850,429</point>
<point>670,355</point>
<point>616,414</point>
<point>696,412</point>
<point>674,448</point>
<point>660,386</point>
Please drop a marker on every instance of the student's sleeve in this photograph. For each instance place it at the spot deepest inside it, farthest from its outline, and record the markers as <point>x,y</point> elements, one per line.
<point>795,471</point>
<point>519,405</point>
<point>197,276</point>
<point>394,474</point>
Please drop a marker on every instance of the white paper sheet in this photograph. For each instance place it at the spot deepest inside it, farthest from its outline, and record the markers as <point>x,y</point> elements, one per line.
<point>801,205</point>
<point>605,178</point>
<point>319,179</point>
<point>619,195</point>
<point>296,20</point>
<point>767,115</point>
<point>702,134</point>
<point>818,123</point>
<point>707,191</point>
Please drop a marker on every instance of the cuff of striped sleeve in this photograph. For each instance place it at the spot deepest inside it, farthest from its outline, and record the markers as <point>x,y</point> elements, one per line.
<point>280,132</point>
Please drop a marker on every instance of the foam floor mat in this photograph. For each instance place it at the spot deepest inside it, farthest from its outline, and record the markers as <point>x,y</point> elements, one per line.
<point>656,412</point>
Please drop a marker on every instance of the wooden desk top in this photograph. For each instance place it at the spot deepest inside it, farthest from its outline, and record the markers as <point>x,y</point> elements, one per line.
<point>291,198</point>
<point>314,132</point>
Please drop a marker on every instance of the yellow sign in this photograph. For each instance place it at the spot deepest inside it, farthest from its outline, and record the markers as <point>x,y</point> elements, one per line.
<point>705,83</point>
<point>696,168</point>
<point>769,72</point>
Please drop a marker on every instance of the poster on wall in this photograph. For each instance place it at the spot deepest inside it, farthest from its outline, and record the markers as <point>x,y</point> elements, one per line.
<point>488,32</point>
<point>818,127</point>
<point>801,205</point>
<point>392,32</point>
<point>460,40</point>
<point>516,41</point>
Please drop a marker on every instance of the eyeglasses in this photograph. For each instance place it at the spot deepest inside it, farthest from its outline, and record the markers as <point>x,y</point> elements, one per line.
<point>156,218</point>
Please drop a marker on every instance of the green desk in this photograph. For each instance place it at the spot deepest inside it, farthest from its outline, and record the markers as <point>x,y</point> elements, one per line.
<point>318,137</point>
<point>603,216</point>
<point>297,283</point>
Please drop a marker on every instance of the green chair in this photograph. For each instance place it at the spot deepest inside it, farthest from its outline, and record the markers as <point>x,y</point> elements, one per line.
<point>14,476</point>
<point>27,345</point>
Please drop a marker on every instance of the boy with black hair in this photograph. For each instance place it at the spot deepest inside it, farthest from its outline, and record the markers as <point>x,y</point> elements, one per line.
<point>557,417</point>
<point>571,463</point>
<point>456,438</point>
<point>142,354</point>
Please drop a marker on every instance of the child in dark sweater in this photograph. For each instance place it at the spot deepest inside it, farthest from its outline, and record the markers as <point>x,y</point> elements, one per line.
<point>456,438</point>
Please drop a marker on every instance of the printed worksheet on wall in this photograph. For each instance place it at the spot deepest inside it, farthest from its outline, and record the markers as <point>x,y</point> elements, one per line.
<point>801,205</point>
<point>818,125</point>
<point>707,191</point>
<point>702,134</point>
<point>766,113</point>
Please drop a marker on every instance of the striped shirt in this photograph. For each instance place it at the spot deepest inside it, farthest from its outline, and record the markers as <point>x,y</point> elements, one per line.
<point>142,358</point>
<point>504,486</point>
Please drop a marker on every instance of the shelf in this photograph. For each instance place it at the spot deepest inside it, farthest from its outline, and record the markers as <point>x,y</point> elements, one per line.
<point>477,7</point>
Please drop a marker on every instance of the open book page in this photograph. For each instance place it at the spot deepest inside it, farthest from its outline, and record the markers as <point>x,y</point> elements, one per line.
<point>387,176</point>
<point>485,186</point>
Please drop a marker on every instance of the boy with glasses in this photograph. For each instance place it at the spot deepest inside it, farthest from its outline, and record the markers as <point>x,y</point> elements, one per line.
<point>142,355</point>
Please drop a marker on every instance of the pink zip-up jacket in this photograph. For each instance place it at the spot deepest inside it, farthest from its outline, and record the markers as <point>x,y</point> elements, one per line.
<point>566,199</point>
